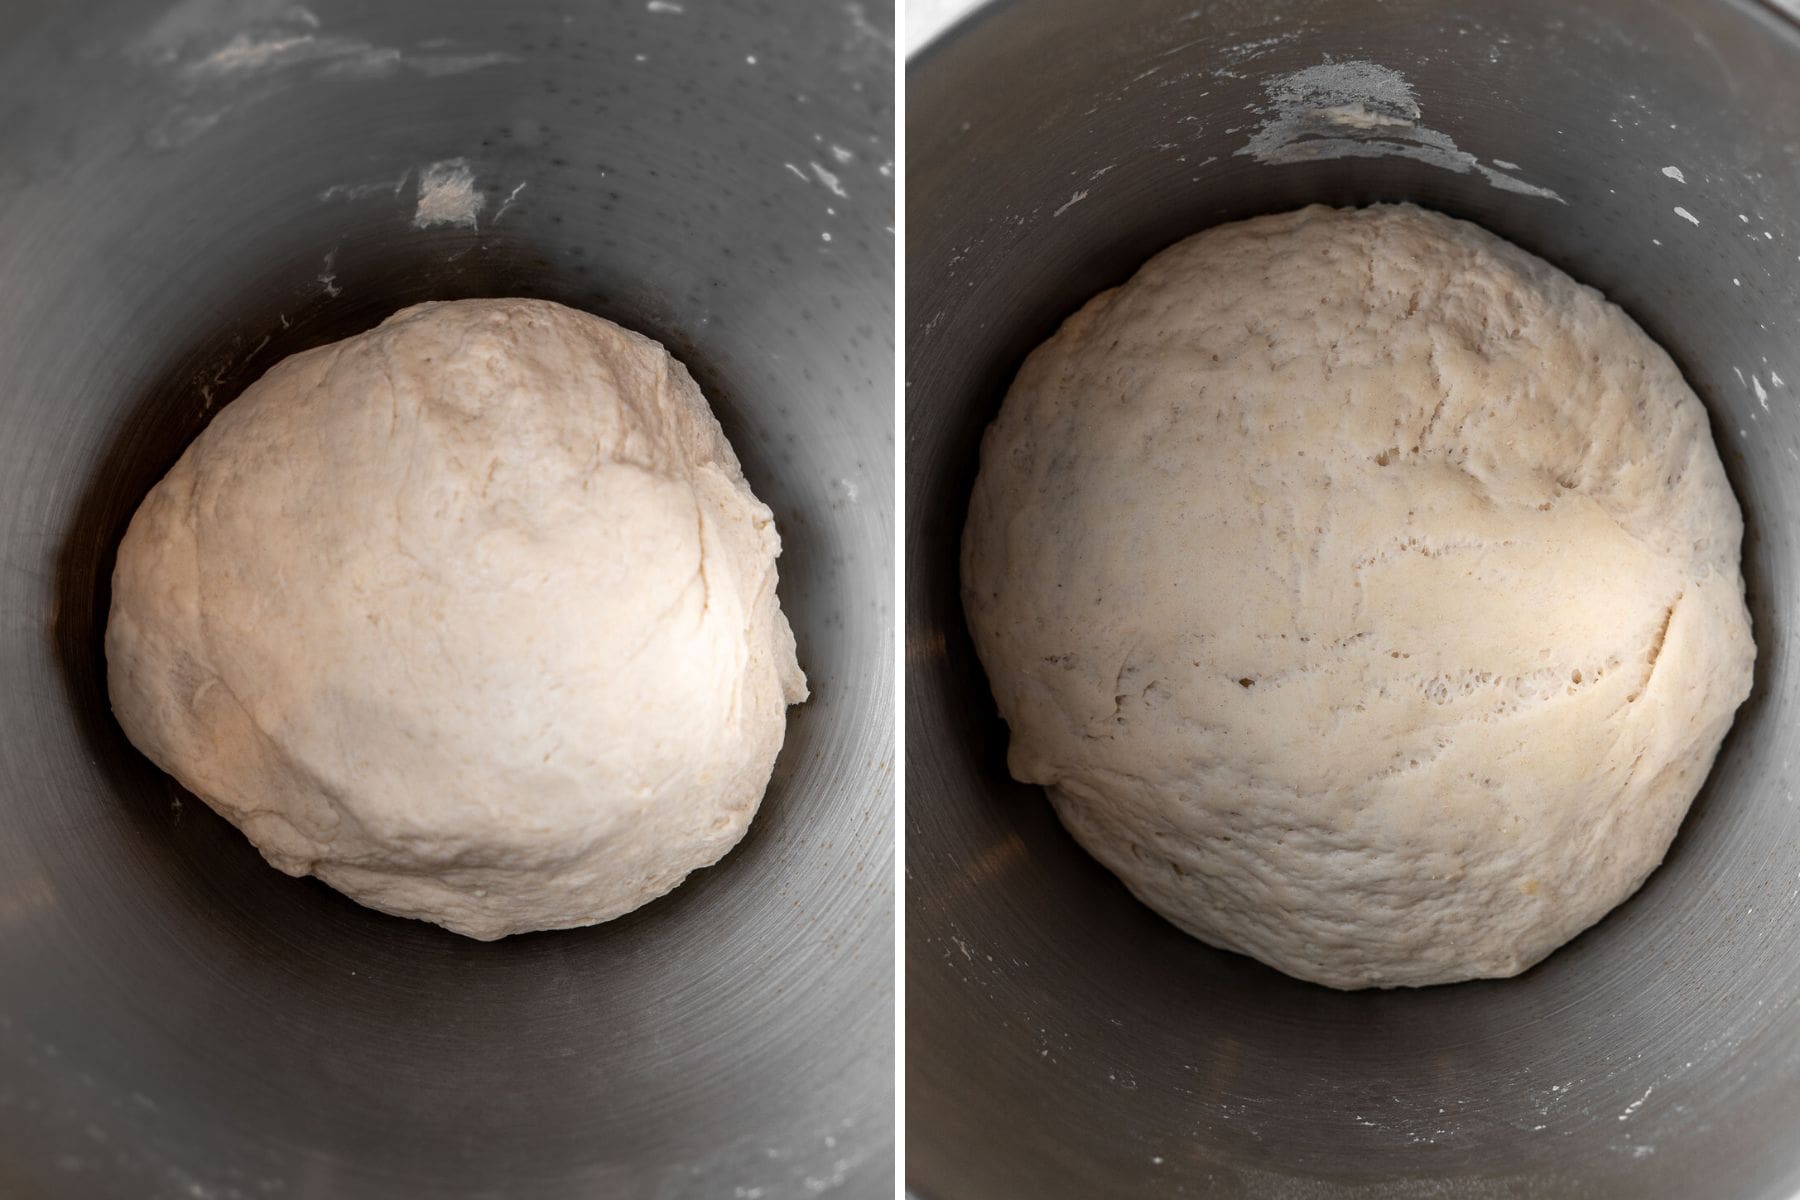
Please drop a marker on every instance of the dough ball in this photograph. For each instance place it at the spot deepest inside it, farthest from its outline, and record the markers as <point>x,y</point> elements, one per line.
<point>472,616</point>
<point>1365,592</point>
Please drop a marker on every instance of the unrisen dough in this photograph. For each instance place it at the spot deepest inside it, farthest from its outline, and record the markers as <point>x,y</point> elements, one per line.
<point>1365,591</point>
<point>472,616</point>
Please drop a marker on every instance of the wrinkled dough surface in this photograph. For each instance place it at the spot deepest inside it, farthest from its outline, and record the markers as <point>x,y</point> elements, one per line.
<point>1365,591</point>
<point>473,616</point>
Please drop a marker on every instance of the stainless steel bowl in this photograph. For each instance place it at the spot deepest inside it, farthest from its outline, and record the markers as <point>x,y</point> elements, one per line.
<point>192,189</point>
<point>1062,1040</point>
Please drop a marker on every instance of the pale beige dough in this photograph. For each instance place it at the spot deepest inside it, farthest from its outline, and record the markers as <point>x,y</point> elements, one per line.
<point>472,616</point>
<point>1364,590</point>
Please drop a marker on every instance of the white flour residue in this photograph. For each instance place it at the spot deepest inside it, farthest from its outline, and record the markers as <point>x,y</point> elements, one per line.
<point>220,56</point>
<point>1685,215</point>
<point>1359,110</point>
<point>829,180</point>
<point>328,276</point>
<point>866,30</point>
<point>1675,174</point>
<point>362,191</point>
<point>243,53</point>
<point>1228,57</point>
<point>664,6</point>
<point>814,1165</point>
<point>434,65</point>
<point>507,203</point>
<point>447,195</point>
<point>1071,202</point>
<point>1359,116</point>
<point>1762,393</point>
<point>1506,166</point>
<point>1636,1104</point>
<point>195,20</point>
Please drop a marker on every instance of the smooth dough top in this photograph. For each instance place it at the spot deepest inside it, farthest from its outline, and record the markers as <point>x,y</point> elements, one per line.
<point>472,616</point>
<point>1365,591</point>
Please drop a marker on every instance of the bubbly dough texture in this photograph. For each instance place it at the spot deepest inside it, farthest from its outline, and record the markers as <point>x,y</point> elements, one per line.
<point>1365,592</point>
<point>472,616</point>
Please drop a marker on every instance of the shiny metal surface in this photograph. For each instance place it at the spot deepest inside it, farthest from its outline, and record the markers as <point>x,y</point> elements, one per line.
<point>1062,1040</point>
<point>188,192</point>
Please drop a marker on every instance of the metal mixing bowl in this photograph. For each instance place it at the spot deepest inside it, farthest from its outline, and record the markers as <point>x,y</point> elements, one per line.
<point>1062,1040</point>
<point>190,191</point>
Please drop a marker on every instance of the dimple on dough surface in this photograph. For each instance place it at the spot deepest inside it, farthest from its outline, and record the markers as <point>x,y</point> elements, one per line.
<point>473,616</point>
<point>1365,592</point>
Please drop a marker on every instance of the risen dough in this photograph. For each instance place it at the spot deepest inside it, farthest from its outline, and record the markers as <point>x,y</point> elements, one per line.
<point>472,616</point>
<point>1365,592</point>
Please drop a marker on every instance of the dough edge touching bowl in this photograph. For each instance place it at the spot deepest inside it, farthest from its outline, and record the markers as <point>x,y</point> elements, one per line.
<point>1052,149</point>
<point>193,190</point>
<point>1218,700</point>
<point>471,615</point>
